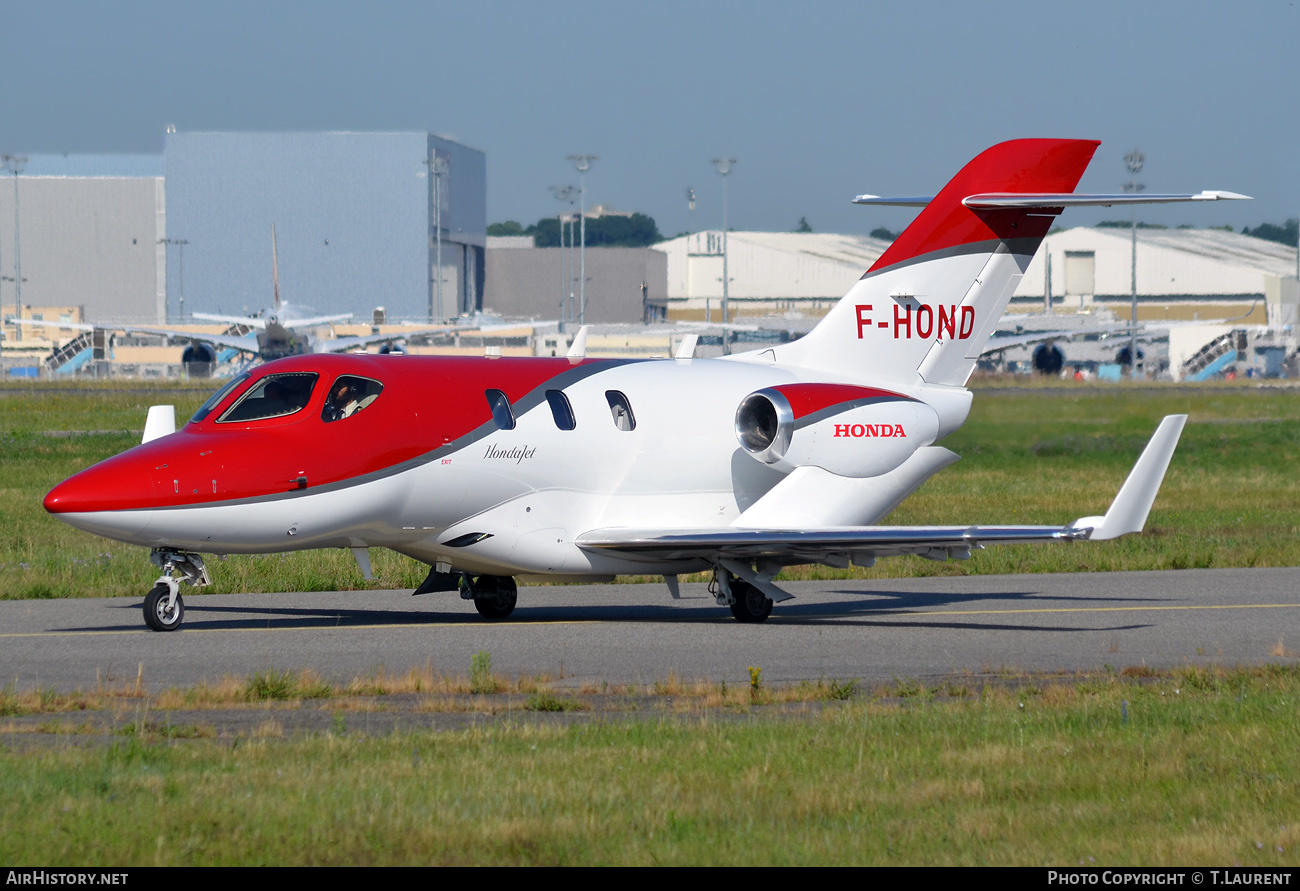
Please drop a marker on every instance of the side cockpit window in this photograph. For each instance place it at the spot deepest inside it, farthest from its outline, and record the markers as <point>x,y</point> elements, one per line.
<point>274,396</point>
<point>348,395</point>
<point>217,398</point>
<point>500,404</point>
<point>621,410</point>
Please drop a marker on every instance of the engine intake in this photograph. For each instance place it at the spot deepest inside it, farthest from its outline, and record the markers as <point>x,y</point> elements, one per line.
<point>765,425</point>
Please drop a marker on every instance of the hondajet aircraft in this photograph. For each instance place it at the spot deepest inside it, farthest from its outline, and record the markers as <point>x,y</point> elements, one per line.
<point>493,468</point>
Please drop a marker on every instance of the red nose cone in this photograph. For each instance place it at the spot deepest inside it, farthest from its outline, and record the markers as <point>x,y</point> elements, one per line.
<point>116,484</point>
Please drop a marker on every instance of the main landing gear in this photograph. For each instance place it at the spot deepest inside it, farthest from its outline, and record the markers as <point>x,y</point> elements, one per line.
<point>494,596</point>
<point>748,604</point>
<point>163,606</point>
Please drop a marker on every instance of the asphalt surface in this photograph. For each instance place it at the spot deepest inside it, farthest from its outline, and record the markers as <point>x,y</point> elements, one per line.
<point>905,628</point>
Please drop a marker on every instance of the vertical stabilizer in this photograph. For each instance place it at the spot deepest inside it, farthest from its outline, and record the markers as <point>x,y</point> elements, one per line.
<point>927,307</point>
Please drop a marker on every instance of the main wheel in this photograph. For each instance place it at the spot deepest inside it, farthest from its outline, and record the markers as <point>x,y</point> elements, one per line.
<point>751,605</point>
<point>157,615</point>
<point>495,596</point>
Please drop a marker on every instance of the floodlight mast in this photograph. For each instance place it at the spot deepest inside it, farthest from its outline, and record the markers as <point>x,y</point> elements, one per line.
<point>16,163</point>
<point>583,163</point>
<point>1134,161</point>
<point>180,248</point>
<point>565,195</point>
<point>724,166</point>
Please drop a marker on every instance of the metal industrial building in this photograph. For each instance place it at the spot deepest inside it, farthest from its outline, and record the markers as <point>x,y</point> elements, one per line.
<point>769,271</point>
<point>1183,274</point>
<point>623,284</point>
<point>356,216</point>
<point>89,235</point>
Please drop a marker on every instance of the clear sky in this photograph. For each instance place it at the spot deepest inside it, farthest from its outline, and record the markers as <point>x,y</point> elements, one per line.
<point>819,101</point>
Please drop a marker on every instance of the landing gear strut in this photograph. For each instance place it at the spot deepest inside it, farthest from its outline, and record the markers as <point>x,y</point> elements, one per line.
<point>748,604</point>
<point>494,596</point>
<point>163,607</point>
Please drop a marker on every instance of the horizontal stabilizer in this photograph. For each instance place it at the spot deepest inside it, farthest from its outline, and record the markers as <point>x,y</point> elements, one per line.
<point>1063,199</point>
<point>879,201</point>
<point>1030,200</point>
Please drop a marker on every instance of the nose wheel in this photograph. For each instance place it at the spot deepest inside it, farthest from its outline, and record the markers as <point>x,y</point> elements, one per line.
<point>163,606</point>
<point>162,611</point>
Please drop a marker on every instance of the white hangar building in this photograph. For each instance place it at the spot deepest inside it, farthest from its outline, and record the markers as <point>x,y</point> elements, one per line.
<point>1183,274</point>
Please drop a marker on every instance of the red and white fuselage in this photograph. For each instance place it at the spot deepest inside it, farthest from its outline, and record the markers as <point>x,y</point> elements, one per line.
<point>583,468</point>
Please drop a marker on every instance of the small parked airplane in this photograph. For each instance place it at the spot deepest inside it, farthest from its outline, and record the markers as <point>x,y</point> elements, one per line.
<point>281,329</point>
<point>574,469</point>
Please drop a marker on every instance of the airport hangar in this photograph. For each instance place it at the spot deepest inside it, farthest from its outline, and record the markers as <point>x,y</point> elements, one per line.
<point>1182,273</point>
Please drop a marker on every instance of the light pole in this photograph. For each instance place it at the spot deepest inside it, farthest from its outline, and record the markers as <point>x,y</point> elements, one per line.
<point>564,194</point>
<point>724,166</point>
<point>437,170</point>
<point>16,163</point>
<point>583,162</point>
<point>1134,161</point>
<point>180,247</point>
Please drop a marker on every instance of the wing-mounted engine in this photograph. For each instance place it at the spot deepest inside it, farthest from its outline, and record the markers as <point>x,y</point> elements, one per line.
<point>849,431</point>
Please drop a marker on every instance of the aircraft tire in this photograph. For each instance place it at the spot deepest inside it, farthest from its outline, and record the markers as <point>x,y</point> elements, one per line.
<point>495,596</point>
<point>156,614</point>
<point>752,605</point>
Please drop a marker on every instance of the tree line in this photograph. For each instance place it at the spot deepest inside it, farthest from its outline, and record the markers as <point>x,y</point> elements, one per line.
<point>638,230</point>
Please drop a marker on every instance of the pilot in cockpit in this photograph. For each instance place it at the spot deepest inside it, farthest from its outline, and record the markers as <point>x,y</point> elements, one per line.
<point>342,401</point>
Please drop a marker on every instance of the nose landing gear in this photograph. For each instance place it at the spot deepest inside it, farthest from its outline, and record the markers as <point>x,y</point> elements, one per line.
<point>163,606</point>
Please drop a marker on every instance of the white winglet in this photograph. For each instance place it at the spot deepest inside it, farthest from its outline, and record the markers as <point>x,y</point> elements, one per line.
<point>578,349</point>
<point>686,349</point>
<point>161,421</point>
<point>1128,512</point>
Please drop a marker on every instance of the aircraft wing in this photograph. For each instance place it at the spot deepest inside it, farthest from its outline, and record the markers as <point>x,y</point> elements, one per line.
<point>315,321</point>
<point>343,344</point>
<point>250,321</point>
<point>735,547</point>
<point>243,344</point>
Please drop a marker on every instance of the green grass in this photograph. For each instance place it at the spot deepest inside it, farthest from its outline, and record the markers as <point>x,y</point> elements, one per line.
<point>1037,454</point>
<point>1197,767</point>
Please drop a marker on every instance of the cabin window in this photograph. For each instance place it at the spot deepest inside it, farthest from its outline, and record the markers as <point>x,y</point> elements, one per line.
<point>561,410</point>
<point>621,410</point>
<point>218,397</point>
<point>348,395</point>
<point>274,396</point>
<point>500,405</point>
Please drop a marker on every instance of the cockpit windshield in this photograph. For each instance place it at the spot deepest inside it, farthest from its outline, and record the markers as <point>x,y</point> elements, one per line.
<point>348,395</point>
<point>216,398</point>
<point>274,396</point>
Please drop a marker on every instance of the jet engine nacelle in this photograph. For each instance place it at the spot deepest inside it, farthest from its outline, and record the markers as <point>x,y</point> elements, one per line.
<point>848,431</point>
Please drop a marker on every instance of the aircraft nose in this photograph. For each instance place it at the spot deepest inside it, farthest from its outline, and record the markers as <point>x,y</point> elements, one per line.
<point>110,486</point>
